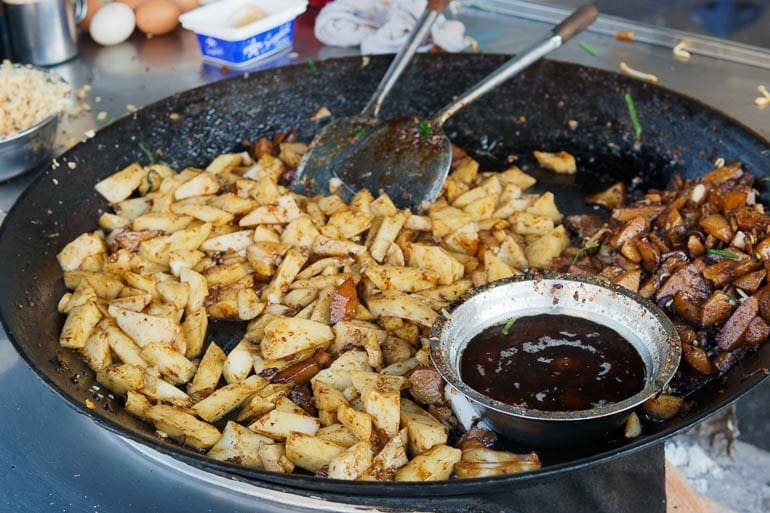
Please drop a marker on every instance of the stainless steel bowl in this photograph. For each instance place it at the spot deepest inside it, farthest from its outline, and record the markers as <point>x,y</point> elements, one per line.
<point>25,150</point>
<point>642,323</point>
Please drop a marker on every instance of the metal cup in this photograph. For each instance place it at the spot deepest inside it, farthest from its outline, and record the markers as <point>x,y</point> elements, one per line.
<point>43,31</point>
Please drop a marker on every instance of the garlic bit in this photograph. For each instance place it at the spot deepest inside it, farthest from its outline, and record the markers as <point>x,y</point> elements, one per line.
<point>764,100</point>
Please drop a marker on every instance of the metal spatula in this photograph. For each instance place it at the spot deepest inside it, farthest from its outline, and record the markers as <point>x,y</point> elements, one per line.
<point>316,167</point>
<point>409,158</point>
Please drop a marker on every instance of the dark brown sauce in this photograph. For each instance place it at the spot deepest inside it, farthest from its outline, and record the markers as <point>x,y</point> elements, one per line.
<point>553,363</point>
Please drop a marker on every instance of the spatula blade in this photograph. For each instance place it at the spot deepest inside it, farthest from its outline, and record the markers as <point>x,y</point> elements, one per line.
<point>406,158</point>
<point>337,137</point>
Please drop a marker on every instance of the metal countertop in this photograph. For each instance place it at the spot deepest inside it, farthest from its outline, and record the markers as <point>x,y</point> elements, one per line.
<point>52,458</point>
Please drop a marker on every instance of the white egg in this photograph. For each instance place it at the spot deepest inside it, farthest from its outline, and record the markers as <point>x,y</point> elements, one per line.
<point>112,24</point>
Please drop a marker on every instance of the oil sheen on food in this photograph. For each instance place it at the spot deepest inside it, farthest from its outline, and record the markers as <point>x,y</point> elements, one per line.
<point>553,363</point>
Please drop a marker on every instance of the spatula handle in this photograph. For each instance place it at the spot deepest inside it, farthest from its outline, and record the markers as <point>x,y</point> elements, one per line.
<point>577,21</point>
<point>437,5</point>
<point>404,56</point>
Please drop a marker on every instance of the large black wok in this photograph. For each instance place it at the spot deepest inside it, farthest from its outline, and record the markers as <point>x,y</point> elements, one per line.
<point>532,111</point>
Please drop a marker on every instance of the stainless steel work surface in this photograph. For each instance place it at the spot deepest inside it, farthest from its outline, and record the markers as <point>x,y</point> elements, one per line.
<point>52,458</point>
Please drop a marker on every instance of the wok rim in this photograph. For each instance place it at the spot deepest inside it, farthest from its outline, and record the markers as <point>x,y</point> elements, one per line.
<point>298,483</point>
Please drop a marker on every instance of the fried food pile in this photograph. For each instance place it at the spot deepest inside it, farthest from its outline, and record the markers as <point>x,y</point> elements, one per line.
<point>700,249</point>
<point>333,374</point>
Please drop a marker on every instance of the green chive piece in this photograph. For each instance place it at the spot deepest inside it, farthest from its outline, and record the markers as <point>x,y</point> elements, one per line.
<point>110,121</point>
<point>313,67</point>
<point>488,150</point>
<point>359,132</point>
<point>587,48</point>
<point>507,327</point>
<point>723,253</point>
<point>150,183</point>
<point>425,129</point>
<point>634,116</point>
<point>147,152</point>
<point>581,251</point>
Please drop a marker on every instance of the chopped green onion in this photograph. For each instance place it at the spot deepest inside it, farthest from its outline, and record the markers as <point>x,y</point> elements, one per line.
<point>488,150</point>
<point>313,67</point>
<point>425,129</point>
<point>632,113</point>
<point>587,48</point>
<point>147,152</point>
<point>150,183</point>
<point>723,253</point>
<point>579,254</point>
<point>359,132</point>
<point>110,121</point>
<point>507,326</point>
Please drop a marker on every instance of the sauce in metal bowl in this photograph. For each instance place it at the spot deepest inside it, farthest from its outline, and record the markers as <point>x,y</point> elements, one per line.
<point>553,363</point>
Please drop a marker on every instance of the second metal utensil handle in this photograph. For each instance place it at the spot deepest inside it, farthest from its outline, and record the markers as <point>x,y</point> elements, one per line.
<point>573,24</point>
<point>579,20</point>
<point>404,56</point>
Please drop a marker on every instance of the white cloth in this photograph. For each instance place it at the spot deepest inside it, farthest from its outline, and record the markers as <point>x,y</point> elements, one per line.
<point>449,35</point>
<point>390,36</point>
<point>382,26</point>
<point>347,22</point>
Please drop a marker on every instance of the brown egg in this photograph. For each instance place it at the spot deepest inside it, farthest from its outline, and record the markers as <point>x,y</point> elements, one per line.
<point>157,17</point>
<point>131,3</point>
<point>186,5</point>
<point>93,6</point>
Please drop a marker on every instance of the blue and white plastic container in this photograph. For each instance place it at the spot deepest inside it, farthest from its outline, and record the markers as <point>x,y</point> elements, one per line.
<point>221,43</point>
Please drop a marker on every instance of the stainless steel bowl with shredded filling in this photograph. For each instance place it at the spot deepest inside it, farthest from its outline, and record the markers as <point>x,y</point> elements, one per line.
<point>28,96</point>
<point>30,102</point>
